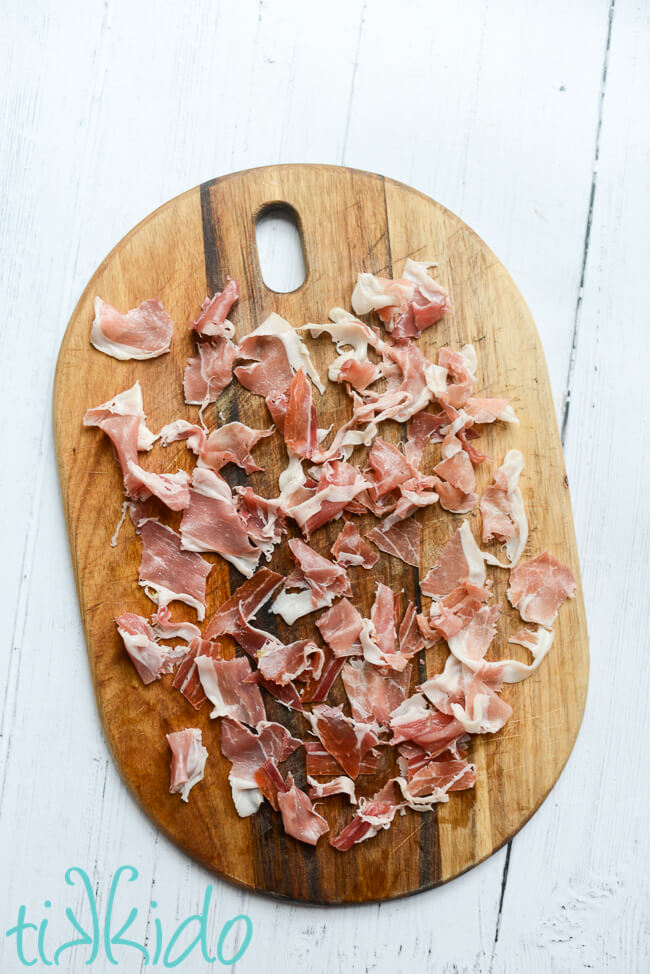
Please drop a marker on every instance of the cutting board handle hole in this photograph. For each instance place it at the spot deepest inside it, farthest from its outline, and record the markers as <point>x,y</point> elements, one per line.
<point>279,248</point>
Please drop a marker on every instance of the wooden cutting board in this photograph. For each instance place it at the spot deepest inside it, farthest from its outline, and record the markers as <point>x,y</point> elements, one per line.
<point>349,221</point>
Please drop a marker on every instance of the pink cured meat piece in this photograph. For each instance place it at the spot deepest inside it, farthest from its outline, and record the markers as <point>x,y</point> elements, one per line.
<point>340,482</point>
<point>350,549</point>
<point>172,573</point>
<point>340,627</point>
<point>298,816</point>
<point>225,685</point>
<point>449,571</point>
<point>150,660</point>
<point>347,740</point>
<point>538,588</point>
<point>231,443</point>
<point>320,762</point>
<point>215,310</point>
<point>388,468</point>
<point>142,333</point>
<point>337,786</point>
<point>188,760</point>
<point>430,729</point>
<point>373,815</point>
<point>248,599</point>
<point>122,419</point>
<point>209,372</point>
<point>301,660</point>
<point>455,611</point>
<point>212,523</point>
<point>186,679</point>
<point>402,540</point>
<point>373,696</point>
<point>300,428</point>
<point>270,374</point>
<point>247,751</point>
<point>171,488</point>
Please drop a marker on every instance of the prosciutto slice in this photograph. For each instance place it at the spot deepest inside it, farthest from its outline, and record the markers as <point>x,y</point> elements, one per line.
<point>455,481</point>
<point>122,419</point>
<point>338,485</point>
<point>231,443</point>
<point>373,815</point>
<point>248,751</point>
<point>489,410</point>
<point>225,686</point>
<point>337,786</point>
<point>164,627</point>
<point>212,523</point>
<point>352,339</point>
<point>301,660</point>
<point>142,333</point>
<point>246,600</point>
<point>502,508</point>
<point>149,659</point>
<point>431,730</point>
<point>300,428</point>
<point>422,429</point>
<point>538,588</point>
<point>460,560</point>
<point>319,582</point>
<point>277,353</point>
<point>407,305</point>
<point>168,571</point>
<point>373,697</point>
<point>459,375</point>
<point>341,627</point>
<point>187,679</point>
<point>209,372</point>
<point>350,548</point>
<point>319,761</point>
<point>378,634</point>
<point>347,740</point>
<point>213,320</point>
<point>171,488</point>
<point>402,540</point>
<point>298,816</point>
<point>470,696</point>
<point>188,760</point>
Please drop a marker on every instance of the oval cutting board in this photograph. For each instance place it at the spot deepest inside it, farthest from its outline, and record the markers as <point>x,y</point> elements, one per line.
<point>349,221</point>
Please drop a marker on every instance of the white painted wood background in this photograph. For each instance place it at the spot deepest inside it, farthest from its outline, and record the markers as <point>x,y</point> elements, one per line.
<point>529,120</point>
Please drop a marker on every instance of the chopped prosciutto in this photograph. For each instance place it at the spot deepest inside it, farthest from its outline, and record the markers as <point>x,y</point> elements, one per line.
<point>337,786</point>
<point>340,627</point>
<point>489,410</point>
<point>409,636</point>
<point>231,443</point>
<point>248,751</point>
<point>350,548</point>
<point>277,352</point>
<point>212,523</point>
<point>407,305</point>
<point>122,419</point>
<point>170,572</point>
<point>402,540</point>
<point>373,696</point>
<point>270,782</point>
<point>408,388</point>
<point>422,429</point>
<point>298,816</point>
<point>300,429</point>
<point>347,740</point>
<point>460,560</point>
<point>456,481</point>
<point>388,469</point>
<point>432,783</point>
<point>225,686</point>
<point>460,375</point>
<point>538,588</point>
<point>186,679</point>
<point>502,508</point>
<point>164,627</point>
<point>339,483</point>
<point>264,520</point>
<point>470,696</point>
<point>208,373</point>
<point>188,760</point>
<point>301,660</point>
<point>432,730</point>
<point>248,599</point>
<point>149,659</point>
<point>213,320</point>
<point>171,488</point>
<point>352,339</point>
<point>373,815</point>
<point>319,761</point>
<point>378,634</point>
<point>319,582</point>
<point>142,333</point>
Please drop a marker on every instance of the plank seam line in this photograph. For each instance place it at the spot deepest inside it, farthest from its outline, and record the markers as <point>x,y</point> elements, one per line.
<point>504,880</point>
<point>587,237</point>
<point>353,83</point>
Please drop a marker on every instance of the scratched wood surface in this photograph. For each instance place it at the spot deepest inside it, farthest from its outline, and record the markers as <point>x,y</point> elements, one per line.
<point>349,220</point>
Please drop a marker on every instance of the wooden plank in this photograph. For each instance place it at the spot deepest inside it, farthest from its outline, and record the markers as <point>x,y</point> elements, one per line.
<point>348,220</point>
